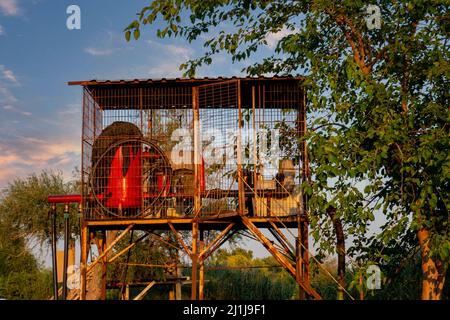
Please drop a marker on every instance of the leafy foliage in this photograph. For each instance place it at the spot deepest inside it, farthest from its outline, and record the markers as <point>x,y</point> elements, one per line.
<point>226,279</point>
<point>25,221</point>
<point>25,209</point>
<point>379,144</point>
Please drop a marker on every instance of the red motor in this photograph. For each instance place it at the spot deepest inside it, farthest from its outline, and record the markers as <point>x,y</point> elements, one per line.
<point>124,189</point>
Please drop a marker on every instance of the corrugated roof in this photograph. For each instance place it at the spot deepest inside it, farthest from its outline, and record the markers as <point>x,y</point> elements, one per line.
<point>95,82</point>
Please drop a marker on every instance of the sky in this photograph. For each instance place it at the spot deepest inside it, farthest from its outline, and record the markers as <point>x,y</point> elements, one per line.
<point>40,115</point>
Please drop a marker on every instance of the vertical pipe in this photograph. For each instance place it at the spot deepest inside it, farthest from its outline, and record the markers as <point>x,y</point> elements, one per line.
<point>255,154</point>
<point>307,177</point>
<point>66,250</point>
<point>83,262</point>
<point>197,191</point>
<point>194,257</point>
<point>241,192</point>
<point>55,264</point>
<point>201,278</point>
<point>197,152</point>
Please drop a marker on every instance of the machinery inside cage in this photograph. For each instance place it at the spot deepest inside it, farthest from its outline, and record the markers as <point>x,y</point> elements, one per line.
<point>151,147</point>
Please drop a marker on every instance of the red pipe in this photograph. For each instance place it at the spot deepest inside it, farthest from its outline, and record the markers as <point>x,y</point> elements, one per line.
<point>68,198</point>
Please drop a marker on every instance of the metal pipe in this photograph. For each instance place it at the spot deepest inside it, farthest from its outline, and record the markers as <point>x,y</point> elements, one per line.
<point>66,250</point>
<point>69,198</point>
<point>55,265</point>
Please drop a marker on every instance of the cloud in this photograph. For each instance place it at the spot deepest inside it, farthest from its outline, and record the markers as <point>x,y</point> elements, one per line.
<point>273,38</point>
<point>20,156</point>
<point>167,59</point>
<point>39,143</point>
<point>2,30</point>
<point>17,110</point>
<point>8,74</point>
<point>113,43</point>
<point>99,52</point>
<point>6,96</point>
<point>9,7</point>
<point>165,70</point>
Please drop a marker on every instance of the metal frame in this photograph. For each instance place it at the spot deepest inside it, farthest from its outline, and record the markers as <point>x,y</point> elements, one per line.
<point>194,94</point>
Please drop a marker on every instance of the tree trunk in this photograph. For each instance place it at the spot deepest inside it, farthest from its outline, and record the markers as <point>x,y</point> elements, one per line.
<point>433,275</point>
<point>340,250</point>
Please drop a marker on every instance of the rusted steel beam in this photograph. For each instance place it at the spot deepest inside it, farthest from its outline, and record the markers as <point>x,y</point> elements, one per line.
<point>197,152</point>
<point>83,261</point>
<point>105,252</point>
<point>130,246</point>
<point>279,257</point>
<point>144,292</point>
<point>217,239</point>
<point>284,241</point>
<point>241,196</point>
<point>180,240</point>
<point>220,243</point>
<point>201,277</point>
<point>165,241</point>
<point>194,258</point>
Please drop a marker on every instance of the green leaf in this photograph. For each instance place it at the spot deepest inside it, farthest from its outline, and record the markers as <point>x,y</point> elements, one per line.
<point>136,34</point>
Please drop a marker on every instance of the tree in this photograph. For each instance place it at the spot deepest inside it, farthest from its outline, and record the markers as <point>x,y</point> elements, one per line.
<point>25,209</point>
<point>379,99</point>
<point>25,223</point>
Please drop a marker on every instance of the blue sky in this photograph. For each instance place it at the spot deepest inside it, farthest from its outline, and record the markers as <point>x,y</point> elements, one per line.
<point>40,116</point>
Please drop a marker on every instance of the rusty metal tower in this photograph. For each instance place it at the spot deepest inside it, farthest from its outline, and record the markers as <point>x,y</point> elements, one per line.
<point>219,154</point>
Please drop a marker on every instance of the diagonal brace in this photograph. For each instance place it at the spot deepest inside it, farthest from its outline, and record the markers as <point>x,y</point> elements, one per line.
<point>104,253</point>
<point>180,240</point>
<point>217,239</point>
<point>279,257</point>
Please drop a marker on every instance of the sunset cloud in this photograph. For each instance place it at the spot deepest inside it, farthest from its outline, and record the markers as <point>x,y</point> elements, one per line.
<point>9,7</point>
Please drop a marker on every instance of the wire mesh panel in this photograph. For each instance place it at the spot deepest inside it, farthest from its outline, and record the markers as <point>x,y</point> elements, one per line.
<point>129,135</point>
<point>261,134</point>
<point>219,114</point>
<point>138,149</point>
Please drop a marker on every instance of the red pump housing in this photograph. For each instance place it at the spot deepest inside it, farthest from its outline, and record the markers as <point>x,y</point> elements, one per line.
<point>124,189</point>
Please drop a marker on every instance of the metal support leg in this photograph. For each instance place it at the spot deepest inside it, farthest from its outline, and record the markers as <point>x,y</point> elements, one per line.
<point>55,264</point>
<point>201,278</point>
<point>83,262</point>
<point>66,250</point>
<point>194,257</point>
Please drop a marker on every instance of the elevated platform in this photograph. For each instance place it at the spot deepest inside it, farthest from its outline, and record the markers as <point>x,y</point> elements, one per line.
<point>204,223</point>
